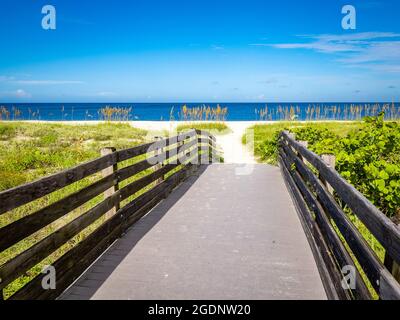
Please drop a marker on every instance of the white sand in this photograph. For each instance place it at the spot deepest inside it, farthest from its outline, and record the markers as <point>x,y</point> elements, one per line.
<point>229,143</point>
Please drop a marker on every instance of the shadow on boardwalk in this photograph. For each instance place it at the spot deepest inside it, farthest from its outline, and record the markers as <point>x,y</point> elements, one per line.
<point>87,285</point>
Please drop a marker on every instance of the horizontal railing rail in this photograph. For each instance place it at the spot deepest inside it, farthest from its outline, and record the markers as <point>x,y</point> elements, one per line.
<point>345,258</point>
<point>170,160</point>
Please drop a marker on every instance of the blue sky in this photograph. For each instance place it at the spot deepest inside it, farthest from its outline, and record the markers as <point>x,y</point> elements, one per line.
<point>199,51</point>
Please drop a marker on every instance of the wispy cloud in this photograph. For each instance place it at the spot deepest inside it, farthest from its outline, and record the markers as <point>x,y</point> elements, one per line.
<point>379,51</point>
<point>382,51</point>
<point>19,94</point>
<point>106,94</point>
<point>47,82</point>
<point>269,81</point>
<point>260,96</point>
<point>217,47</point>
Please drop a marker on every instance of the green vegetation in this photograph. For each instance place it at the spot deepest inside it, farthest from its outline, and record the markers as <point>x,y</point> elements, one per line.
<point>32,150</point>
<point>29,151</point>
<point>369,158</point>
<point>367,153</point>
<point>212,127</point>
<point>265,136</point>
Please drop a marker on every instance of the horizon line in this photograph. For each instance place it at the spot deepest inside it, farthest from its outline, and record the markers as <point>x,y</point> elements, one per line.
<point>207,102</point>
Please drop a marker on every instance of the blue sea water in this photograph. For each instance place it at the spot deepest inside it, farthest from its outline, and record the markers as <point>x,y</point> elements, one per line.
<point>167,111</point>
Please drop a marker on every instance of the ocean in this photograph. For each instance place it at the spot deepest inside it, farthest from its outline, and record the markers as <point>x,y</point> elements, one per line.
<point>173,111</point>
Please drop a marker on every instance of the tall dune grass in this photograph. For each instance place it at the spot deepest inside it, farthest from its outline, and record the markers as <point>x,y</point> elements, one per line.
<point>203,113</point>
<point>321,112</point>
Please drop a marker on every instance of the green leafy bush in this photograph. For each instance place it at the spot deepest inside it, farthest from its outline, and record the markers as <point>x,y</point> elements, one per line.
<point>369,158</point>
<point>268,149</point>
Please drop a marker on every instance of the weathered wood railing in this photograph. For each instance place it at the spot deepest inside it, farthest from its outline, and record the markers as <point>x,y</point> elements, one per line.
<point>336,242</point>
<point>176,157</point>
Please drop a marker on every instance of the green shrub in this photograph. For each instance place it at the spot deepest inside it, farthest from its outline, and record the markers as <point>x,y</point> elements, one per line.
<point>367,154</point>
<point>369,158</point>
<point>268,149</point>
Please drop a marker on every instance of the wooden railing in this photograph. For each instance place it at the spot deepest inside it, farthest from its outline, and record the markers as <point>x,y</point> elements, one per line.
<point>169,162</point>
<point>343,256</point>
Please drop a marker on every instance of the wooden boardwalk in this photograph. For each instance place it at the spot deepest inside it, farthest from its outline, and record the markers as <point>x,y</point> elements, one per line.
<point>221,234</point>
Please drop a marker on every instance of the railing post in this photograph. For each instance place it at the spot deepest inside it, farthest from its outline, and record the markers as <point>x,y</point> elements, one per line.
<point>305,145</point>
<point>106,172</point>
<point>160,163</point>
<point>198,137</point>
<point>210,150</point>
<point>291,134</point>
<point>330,161</point>
<point>390,264</point>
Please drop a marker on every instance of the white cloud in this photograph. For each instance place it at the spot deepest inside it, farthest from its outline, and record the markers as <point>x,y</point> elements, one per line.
<point>106,94</point>
<point>357,49</point>
<point>20,93</point>
<point>260,96</point>
<point>354,36</point>
<point>377,52</point>
<point>269,81</point>
<point>217,47</point>
<point>325,47</point>
<point>47,82</point>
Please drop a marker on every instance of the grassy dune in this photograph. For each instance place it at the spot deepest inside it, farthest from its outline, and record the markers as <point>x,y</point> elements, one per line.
<point>212,127</point>
<point>32,150</point>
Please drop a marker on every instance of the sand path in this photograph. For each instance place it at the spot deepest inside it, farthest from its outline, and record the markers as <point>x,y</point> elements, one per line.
<point>231,145</point>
